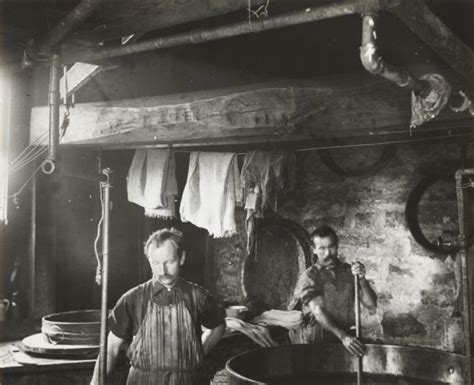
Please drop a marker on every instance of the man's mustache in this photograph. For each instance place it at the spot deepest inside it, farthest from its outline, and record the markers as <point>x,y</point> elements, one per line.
<point>165,276</point>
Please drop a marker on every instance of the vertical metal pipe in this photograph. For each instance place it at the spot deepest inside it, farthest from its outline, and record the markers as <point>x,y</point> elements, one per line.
<point>105,186</point>
<point>54,78</point>
<point>357,324</point>
<point>32,251</point>
<point>463,246</point>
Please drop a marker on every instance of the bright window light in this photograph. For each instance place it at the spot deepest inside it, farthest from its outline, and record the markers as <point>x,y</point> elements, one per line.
<point>4,138</point>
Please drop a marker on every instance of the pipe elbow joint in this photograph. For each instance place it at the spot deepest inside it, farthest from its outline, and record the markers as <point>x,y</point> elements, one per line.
<point>460,173</point>
<point>370,60</point>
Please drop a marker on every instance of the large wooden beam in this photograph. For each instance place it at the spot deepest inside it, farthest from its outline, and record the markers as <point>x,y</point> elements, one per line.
<point>284,111</point>
<point>437,35</point>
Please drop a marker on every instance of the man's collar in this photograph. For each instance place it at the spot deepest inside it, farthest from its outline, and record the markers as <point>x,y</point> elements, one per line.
<point>159,287</point>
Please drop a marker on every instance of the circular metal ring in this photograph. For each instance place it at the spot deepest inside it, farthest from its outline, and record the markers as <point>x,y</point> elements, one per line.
<point>48,166</point>
<point>386,156</point>
<point>411,215</point>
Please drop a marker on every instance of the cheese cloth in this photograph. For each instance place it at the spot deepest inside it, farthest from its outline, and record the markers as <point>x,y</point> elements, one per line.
<point>211,193</point>
<point>151,182</point>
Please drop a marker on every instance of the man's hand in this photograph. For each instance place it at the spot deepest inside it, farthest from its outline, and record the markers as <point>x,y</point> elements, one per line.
<point>353,345</point>
<point>358,268</point>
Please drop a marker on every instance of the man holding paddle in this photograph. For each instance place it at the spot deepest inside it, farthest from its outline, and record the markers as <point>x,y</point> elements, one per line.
<point>326,295</point>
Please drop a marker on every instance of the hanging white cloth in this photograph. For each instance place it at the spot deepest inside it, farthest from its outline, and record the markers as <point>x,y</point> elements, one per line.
<point>212,190</point>
<point>151,182</point>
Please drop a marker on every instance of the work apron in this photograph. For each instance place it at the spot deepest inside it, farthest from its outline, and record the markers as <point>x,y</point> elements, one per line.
<point>167,349</point>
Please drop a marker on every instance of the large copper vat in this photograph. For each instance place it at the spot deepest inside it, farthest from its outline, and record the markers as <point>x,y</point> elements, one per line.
<point>332,364</point>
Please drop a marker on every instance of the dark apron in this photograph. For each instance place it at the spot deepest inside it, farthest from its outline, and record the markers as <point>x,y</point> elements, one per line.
<point>167,349</point>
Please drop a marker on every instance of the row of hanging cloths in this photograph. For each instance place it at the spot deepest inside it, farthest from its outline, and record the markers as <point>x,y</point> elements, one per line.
<point>210,195</point>
<point>265,175</point>
<point>213,189</point>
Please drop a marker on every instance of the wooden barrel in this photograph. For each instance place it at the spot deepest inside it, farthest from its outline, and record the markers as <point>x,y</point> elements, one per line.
<point>282,252</point>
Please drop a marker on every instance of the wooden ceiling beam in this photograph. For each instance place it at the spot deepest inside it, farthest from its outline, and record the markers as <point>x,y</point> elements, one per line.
<point>437,35</point>
<point>311,109</point>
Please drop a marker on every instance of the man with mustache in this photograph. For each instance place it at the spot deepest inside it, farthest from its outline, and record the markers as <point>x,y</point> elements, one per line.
<point>161,321</point>
<point>325,292</point>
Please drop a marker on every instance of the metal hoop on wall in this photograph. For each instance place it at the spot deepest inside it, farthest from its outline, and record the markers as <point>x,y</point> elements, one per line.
<point>412,220</point>
<point>386,156</point>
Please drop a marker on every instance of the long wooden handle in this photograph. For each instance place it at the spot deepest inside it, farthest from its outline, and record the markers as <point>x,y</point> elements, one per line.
<point>357,325</point>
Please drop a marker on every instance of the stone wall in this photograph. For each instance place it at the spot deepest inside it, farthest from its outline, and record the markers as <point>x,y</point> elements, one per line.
<point>416,288</point>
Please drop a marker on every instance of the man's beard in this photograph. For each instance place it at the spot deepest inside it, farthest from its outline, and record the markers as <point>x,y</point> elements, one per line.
<point>329,261</point>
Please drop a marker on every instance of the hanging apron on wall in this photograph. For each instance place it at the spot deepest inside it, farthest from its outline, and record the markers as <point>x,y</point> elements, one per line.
<point>167,349</point>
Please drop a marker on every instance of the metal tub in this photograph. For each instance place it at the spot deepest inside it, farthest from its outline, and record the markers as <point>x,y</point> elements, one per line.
<point>81,327</point>
<point>332,364</point>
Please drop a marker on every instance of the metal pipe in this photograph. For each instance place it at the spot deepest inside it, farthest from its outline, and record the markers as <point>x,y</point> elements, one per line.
<point>102,178</point>
<point>105,187</point>
<point>463,246</point>
<point>319,12</point>
<point>374,64</point>
<point>357,324</point>
<point>45,43</point>
<point>32,252</point>
<point>54,77</point>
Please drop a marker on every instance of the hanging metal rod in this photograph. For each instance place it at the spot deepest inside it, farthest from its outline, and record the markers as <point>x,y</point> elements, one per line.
<point>465,242</point>
<point>319,12</point>
<point>105,187</point>
<point>48,165</point>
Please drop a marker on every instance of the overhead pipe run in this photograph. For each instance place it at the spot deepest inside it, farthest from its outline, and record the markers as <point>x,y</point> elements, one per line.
<point>46,43</point>
<point>319,12</point>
